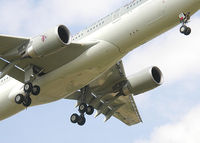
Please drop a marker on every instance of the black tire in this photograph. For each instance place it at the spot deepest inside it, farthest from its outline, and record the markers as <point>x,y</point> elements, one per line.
<point>27,101</point>
<point>188,31</point>
<point>74,118</point>
<point>19,98</point>
<point>81,121</point>
<point>90,110</point>
<point>183,29</point>
<point>35,90</point>
<point>28,87</point>
<point>82,108</point>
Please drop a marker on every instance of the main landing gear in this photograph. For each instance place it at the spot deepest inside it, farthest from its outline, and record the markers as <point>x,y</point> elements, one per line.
<point>29,89</point>
<point>80,119</point>
<point>83,108</point>
<point>184,19</point>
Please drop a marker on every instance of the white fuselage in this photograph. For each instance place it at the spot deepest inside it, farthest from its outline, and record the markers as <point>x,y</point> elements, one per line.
<point>116,39</point>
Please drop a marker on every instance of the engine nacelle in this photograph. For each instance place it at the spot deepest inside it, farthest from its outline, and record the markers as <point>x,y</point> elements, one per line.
<point>49,42</point>
<point>143,81</point>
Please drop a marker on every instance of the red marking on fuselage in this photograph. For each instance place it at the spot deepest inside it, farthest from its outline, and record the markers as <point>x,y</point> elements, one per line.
<point>43,38</point>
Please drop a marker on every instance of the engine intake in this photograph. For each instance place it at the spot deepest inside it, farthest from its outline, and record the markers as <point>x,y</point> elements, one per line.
<point>49,42</point>
<point>143,81</point>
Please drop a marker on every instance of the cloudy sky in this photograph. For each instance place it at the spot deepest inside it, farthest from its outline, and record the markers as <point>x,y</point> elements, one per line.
<point>171,113</point>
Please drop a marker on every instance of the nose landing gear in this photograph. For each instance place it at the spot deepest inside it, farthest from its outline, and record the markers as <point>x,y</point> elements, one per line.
<point>184,19</point>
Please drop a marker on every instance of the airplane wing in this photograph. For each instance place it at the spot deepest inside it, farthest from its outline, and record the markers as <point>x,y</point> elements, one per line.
<point>10,42</point>
<point>46,64</point>
<point>105,101</point>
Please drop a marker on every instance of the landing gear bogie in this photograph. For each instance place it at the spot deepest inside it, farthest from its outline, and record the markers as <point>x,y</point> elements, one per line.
<point>83,108</point>
<point>26,99</point>
<point>31,73</point>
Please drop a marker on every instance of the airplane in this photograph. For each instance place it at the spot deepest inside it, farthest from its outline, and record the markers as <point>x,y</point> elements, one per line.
<point>87,66</point>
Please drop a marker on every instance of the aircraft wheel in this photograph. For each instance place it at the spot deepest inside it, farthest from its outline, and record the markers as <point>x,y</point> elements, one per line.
<point>82,108</point>
<point>90,110</point>
<point>81,121</point>
<point>28,87</point>
<point>27,101</point>
<point>19,98</point>
<point>183,29</point>
<point>36,90</point>
<point>74,118</point>
<point>188,31</point>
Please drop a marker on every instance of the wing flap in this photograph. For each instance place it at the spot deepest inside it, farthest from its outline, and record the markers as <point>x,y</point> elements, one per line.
<point>123,107</point>
<point>106,101</point>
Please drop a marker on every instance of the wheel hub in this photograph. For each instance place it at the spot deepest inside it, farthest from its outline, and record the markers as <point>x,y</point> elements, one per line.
<point>73,118</point>
<point>18,98</point>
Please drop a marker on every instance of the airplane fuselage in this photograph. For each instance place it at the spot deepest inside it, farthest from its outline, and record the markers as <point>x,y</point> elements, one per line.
<point>121,32</point>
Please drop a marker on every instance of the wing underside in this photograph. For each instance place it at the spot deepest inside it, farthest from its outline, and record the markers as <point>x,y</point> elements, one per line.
<point>106,102</point>
<point>13,46</point>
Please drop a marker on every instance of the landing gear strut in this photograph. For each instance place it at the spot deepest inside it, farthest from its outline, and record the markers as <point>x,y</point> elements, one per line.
<point>29,88</point>
<point>184,19</point>
<point>83,108</point>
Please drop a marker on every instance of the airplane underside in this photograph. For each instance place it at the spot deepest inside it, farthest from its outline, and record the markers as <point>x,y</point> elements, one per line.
<point>87,67</point>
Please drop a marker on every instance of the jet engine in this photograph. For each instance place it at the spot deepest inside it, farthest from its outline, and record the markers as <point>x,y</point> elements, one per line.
<point>143,81</point>
<point>49,42</point>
